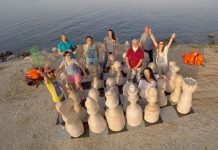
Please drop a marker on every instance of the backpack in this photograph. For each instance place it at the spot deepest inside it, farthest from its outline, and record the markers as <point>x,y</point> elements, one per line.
<point>33,77</point>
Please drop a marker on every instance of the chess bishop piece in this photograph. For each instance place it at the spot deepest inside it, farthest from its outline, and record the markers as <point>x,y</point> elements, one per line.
<point>189,86</point>
<point>133,111</point>
<point>72,121</point>
<point>175,95</point>
<point>114,113</point>
<point>161,87</point>
<point>152,110</point>
<point>118,76</point>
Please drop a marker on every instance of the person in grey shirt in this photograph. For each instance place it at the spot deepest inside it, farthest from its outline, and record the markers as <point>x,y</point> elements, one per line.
<point>146,43</point>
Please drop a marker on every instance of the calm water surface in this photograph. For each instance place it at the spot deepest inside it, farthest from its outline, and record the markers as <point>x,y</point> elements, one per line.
<point>24,23</point>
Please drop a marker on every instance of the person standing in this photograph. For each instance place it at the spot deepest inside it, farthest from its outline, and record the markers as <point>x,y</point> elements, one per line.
<point>66,45</point>
<point>110,44</point>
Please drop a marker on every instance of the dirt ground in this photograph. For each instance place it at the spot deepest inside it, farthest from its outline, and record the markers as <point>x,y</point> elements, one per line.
<point>28,115</point>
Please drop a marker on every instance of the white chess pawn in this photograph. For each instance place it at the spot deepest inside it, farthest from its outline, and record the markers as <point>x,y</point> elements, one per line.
<point>133,111</point>
<point>161,87</point>
<point>114,113</point>
<point>96,122</point>
<point>95,95</point>
<point>189,86</point>
<point>153,66</point>
<point>124,100</point>
<point>175,95</point>
<point>111,60</point>
<point>96,82</point>
<point>118,76</point>
<point>152,110</point>
<point>171,76</point>
<point>77,106</point>
<point>111,84</point>
<point>72,121</point>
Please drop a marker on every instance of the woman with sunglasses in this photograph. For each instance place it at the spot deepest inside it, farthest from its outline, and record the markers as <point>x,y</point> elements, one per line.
<point>162,52</point>
<point>72,72</point>
<point>56,89</point>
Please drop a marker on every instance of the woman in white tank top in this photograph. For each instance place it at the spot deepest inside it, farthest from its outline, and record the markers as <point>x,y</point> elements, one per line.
<point>162,53</point>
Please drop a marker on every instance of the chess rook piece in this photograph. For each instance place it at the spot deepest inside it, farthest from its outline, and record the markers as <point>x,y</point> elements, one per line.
<point>72,121</point>
<point>175,95</point>
<point>161,87</point>
<point>118,76</point>
<point>189,85</point>
<point>171,76</point>
<point>114,113</point>
<point>152,110</point>
<point>133,111</point>
<point>95,95</point>
<point>96,122</point>
<point>77,106</point>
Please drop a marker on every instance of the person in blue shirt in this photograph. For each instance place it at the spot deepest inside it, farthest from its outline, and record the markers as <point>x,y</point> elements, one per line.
<point>65,45</point>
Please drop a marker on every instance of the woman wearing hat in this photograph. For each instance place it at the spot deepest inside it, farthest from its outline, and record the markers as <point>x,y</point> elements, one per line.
<point>57,91</point>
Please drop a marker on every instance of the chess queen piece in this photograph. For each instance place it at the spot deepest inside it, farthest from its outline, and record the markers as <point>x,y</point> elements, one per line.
<point>114,113</point>
<point>161,87</point>
<point>72,121</point>
<point>133,111</point>
<point>77,106</point>
<point>118,76</point>
<point>152,110</point>
<point>96,122</point>
<point>175,95</point>
<point>95,95</point>
<point>171,76</point>
<point>189,86</point>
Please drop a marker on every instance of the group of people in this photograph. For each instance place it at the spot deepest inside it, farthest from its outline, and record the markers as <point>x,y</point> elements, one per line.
<point>134,59</point>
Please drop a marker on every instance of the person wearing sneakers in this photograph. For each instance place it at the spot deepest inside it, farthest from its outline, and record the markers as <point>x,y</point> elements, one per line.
<point>57,91</point>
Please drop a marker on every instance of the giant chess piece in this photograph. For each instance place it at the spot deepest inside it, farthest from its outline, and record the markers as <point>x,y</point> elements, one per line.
<point>175,95</point>
<point>153,66</point>
<point>72,121</point>
<point>114,113</point>
<point>161,87</point>
<point>111,60</point>
<point>124,100</point>
<point>95,95</point>
<point>111,84</point>
<point>189,85</point>
<point>77,106</point>
<point>133,111</point>
<point>171,76</point>
<point>118,76</point>
<point>96,122</point>
<point>96,82</point>
<point>152,110</point>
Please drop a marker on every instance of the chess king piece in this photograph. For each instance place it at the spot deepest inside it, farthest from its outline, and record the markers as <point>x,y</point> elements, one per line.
<point>153,66</point>
<point>96,122</point>
<point>111,60</point>
<point>125,101</point>
<point>96,82</point>
<point>118,76</point>
<point>152,110</point>
<point>72,121</point>
<point>77,106</point>
<point>95,95</point>
<point>133,111</point>
<point>114,113</point>
<point>111,84</point>
<point>171,76</point>
<point>161,87</point>
<point>175,95</point>
<point>189,86</point>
